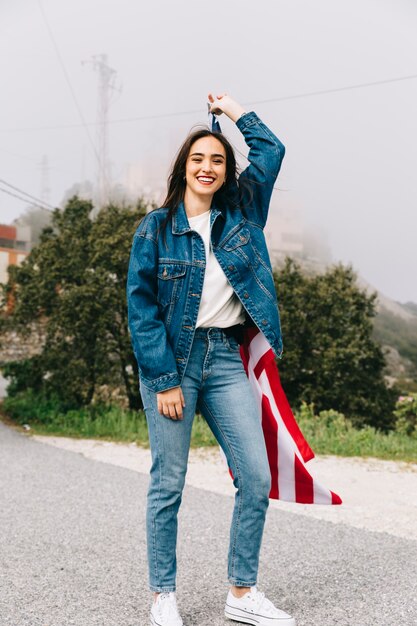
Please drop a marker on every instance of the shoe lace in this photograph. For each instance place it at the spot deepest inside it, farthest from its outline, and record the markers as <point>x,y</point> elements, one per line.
<point>262,603</point>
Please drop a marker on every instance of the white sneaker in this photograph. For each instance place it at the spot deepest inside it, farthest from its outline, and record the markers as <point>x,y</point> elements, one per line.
<point>164,611</point>
<point>254,608</point>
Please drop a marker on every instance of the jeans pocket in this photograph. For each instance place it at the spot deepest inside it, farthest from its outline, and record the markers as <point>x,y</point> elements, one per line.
<point>231,343</point>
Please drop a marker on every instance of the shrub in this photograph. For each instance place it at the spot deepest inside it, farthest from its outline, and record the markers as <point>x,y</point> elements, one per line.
<point>75,280</point>
<point>406,414</point>
<point>330,356</point>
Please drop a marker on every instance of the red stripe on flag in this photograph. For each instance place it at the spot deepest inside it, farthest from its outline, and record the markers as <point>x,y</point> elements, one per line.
<point>263,363</point>
<point>335,498</point>
<point>286,413</point>
<point>304,488</point>
<point>270,430</point>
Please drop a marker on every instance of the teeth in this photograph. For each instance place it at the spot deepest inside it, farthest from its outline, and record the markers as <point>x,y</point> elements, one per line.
<point>206,180</point>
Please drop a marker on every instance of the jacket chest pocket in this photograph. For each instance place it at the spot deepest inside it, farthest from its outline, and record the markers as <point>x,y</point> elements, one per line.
<point>170,282</point>
<point>240,245</point>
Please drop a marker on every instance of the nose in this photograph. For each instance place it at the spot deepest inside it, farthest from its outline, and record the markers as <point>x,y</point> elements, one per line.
<point>206,166</point>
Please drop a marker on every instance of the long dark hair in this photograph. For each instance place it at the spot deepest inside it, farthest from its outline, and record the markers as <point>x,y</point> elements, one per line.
<point>229,195</point>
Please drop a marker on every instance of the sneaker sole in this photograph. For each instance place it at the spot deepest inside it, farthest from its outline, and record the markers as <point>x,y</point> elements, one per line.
<point>240,616</point>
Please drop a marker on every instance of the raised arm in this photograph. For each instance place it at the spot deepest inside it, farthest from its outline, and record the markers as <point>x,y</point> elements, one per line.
<point>265,157</point>
<point>153,352</point>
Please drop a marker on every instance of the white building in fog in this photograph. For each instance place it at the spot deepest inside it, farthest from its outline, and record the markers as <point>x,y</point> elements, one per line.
<point>141,180</point>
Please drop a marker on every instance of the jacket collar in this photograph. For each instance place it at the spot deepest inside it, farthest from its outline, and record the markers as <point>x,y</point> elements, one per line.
<point>180,223</point>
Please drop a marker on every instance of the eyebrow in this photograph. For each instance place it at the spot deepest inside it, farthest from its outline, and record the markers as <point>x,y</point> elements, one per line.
<point>201,154</point>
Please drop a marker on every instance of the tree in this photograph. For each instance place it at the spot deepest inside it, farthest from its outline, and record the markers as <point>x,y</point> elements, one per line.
<point>75,279</point>
<point>330,358</point>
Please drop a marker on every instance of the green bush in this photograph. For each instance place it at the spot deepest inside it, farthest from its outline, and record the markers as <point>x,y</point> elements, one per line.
<point>406,414</point>
<point>74,281</point>
<point>23,375</point>
<point>330,356</point>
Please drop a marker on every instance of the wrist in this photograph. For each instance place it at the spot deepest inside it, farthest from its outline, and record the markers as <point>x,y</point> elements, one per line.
<point>235,112</point>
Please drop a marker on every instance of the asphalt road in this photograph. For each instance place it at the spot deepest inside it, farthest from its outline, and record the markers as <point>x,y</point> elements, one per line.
<point>73,552</point>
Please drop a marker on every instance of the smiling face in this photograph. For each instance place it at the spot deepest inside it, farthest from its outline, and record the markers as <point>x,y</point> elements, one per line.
<point>205,168</point>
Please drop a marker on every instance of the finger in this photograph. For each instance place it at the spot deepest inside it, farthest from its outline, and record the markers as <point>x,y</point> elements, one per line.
<point>182,399</point>
<point>210,97</point>
<point>221,96</point>
<point>178,409</point>
<point>171,411</point>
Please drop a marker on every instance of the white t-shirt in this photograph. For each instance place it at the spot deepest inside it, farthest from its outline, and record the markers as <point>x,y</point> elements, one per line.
<point>219,305</point>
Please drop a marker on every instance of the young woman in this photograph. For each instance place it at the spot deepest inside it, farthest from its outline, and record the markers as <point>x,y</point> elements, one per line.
<point>199,273</point>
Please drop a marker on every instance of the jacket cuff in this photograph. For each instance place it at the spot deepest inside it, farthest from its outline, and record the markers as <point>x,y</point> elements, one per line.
<point>167,381</point>
<point>247,119</point>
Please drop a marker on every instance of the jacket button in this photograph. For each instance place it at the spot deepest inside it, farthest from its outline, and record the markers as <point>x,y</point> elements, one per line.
<point>231,267</point>
<point>246,295</point>
<point>264,322</point>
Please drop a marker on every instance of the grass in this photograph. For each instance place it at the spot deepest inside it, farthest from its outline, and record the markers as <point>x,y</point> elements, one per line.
<point>46,417</point>
<point>331,433</point>
<point>111,423</point>
<point>327,433</point>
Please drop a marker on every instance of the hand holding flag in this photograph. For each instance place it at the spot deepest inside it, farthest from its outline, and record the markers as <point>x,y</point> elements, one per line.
<point>225,104</point>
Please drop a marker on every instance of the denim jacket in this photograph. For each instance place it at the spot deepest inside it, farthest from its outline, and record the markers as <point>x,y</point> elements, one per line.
<point>164,284</point>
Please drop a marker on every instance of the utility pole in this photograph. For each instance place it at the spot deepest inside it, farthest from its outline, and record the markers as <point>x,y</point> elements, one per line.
<point>106,85</point>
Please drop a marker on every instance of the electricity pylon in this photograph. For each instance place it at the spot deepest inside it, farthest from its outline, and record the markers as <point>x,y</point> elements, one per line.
<point>106,88</point>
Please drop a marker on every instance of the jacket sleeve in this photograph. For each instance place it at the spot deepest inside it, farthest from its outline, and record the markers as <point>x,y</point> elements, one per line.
<point>265,156</point>
<point>153,352</point>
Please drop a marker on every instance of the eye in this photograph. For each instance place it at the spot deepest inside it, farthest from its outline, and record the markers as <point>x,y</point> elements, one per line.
<point>218,161</point>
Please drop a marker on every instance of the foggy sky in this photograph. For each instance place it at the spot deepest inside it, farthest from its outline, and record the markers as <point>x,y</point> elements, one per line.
<point>351,155</point>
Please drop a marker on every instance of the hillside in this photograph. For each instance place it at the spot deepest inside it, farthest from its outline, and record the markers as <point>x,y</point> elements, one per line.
<point>411,307</point>
<point>399,338</point>
<point>395,328</point>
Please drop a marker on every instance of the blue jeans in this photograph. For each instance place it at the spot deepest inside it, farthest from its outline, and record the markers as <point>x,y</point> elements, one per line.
<point>215,382</point>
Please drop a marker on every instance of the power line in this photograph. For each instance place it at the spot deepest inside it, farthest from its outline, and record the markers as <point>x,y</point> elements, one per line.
<point>336,89</point>
<point>119,121</point>
<point>199,111</point>
<point>67,78</point>
<point>29,196</point>
<point>10,193</point>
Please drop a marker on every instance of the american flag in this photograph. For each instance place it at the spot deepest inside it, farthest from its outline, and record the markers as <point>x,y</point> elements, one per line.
<point>213,121</point>
<point>287,449</point>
